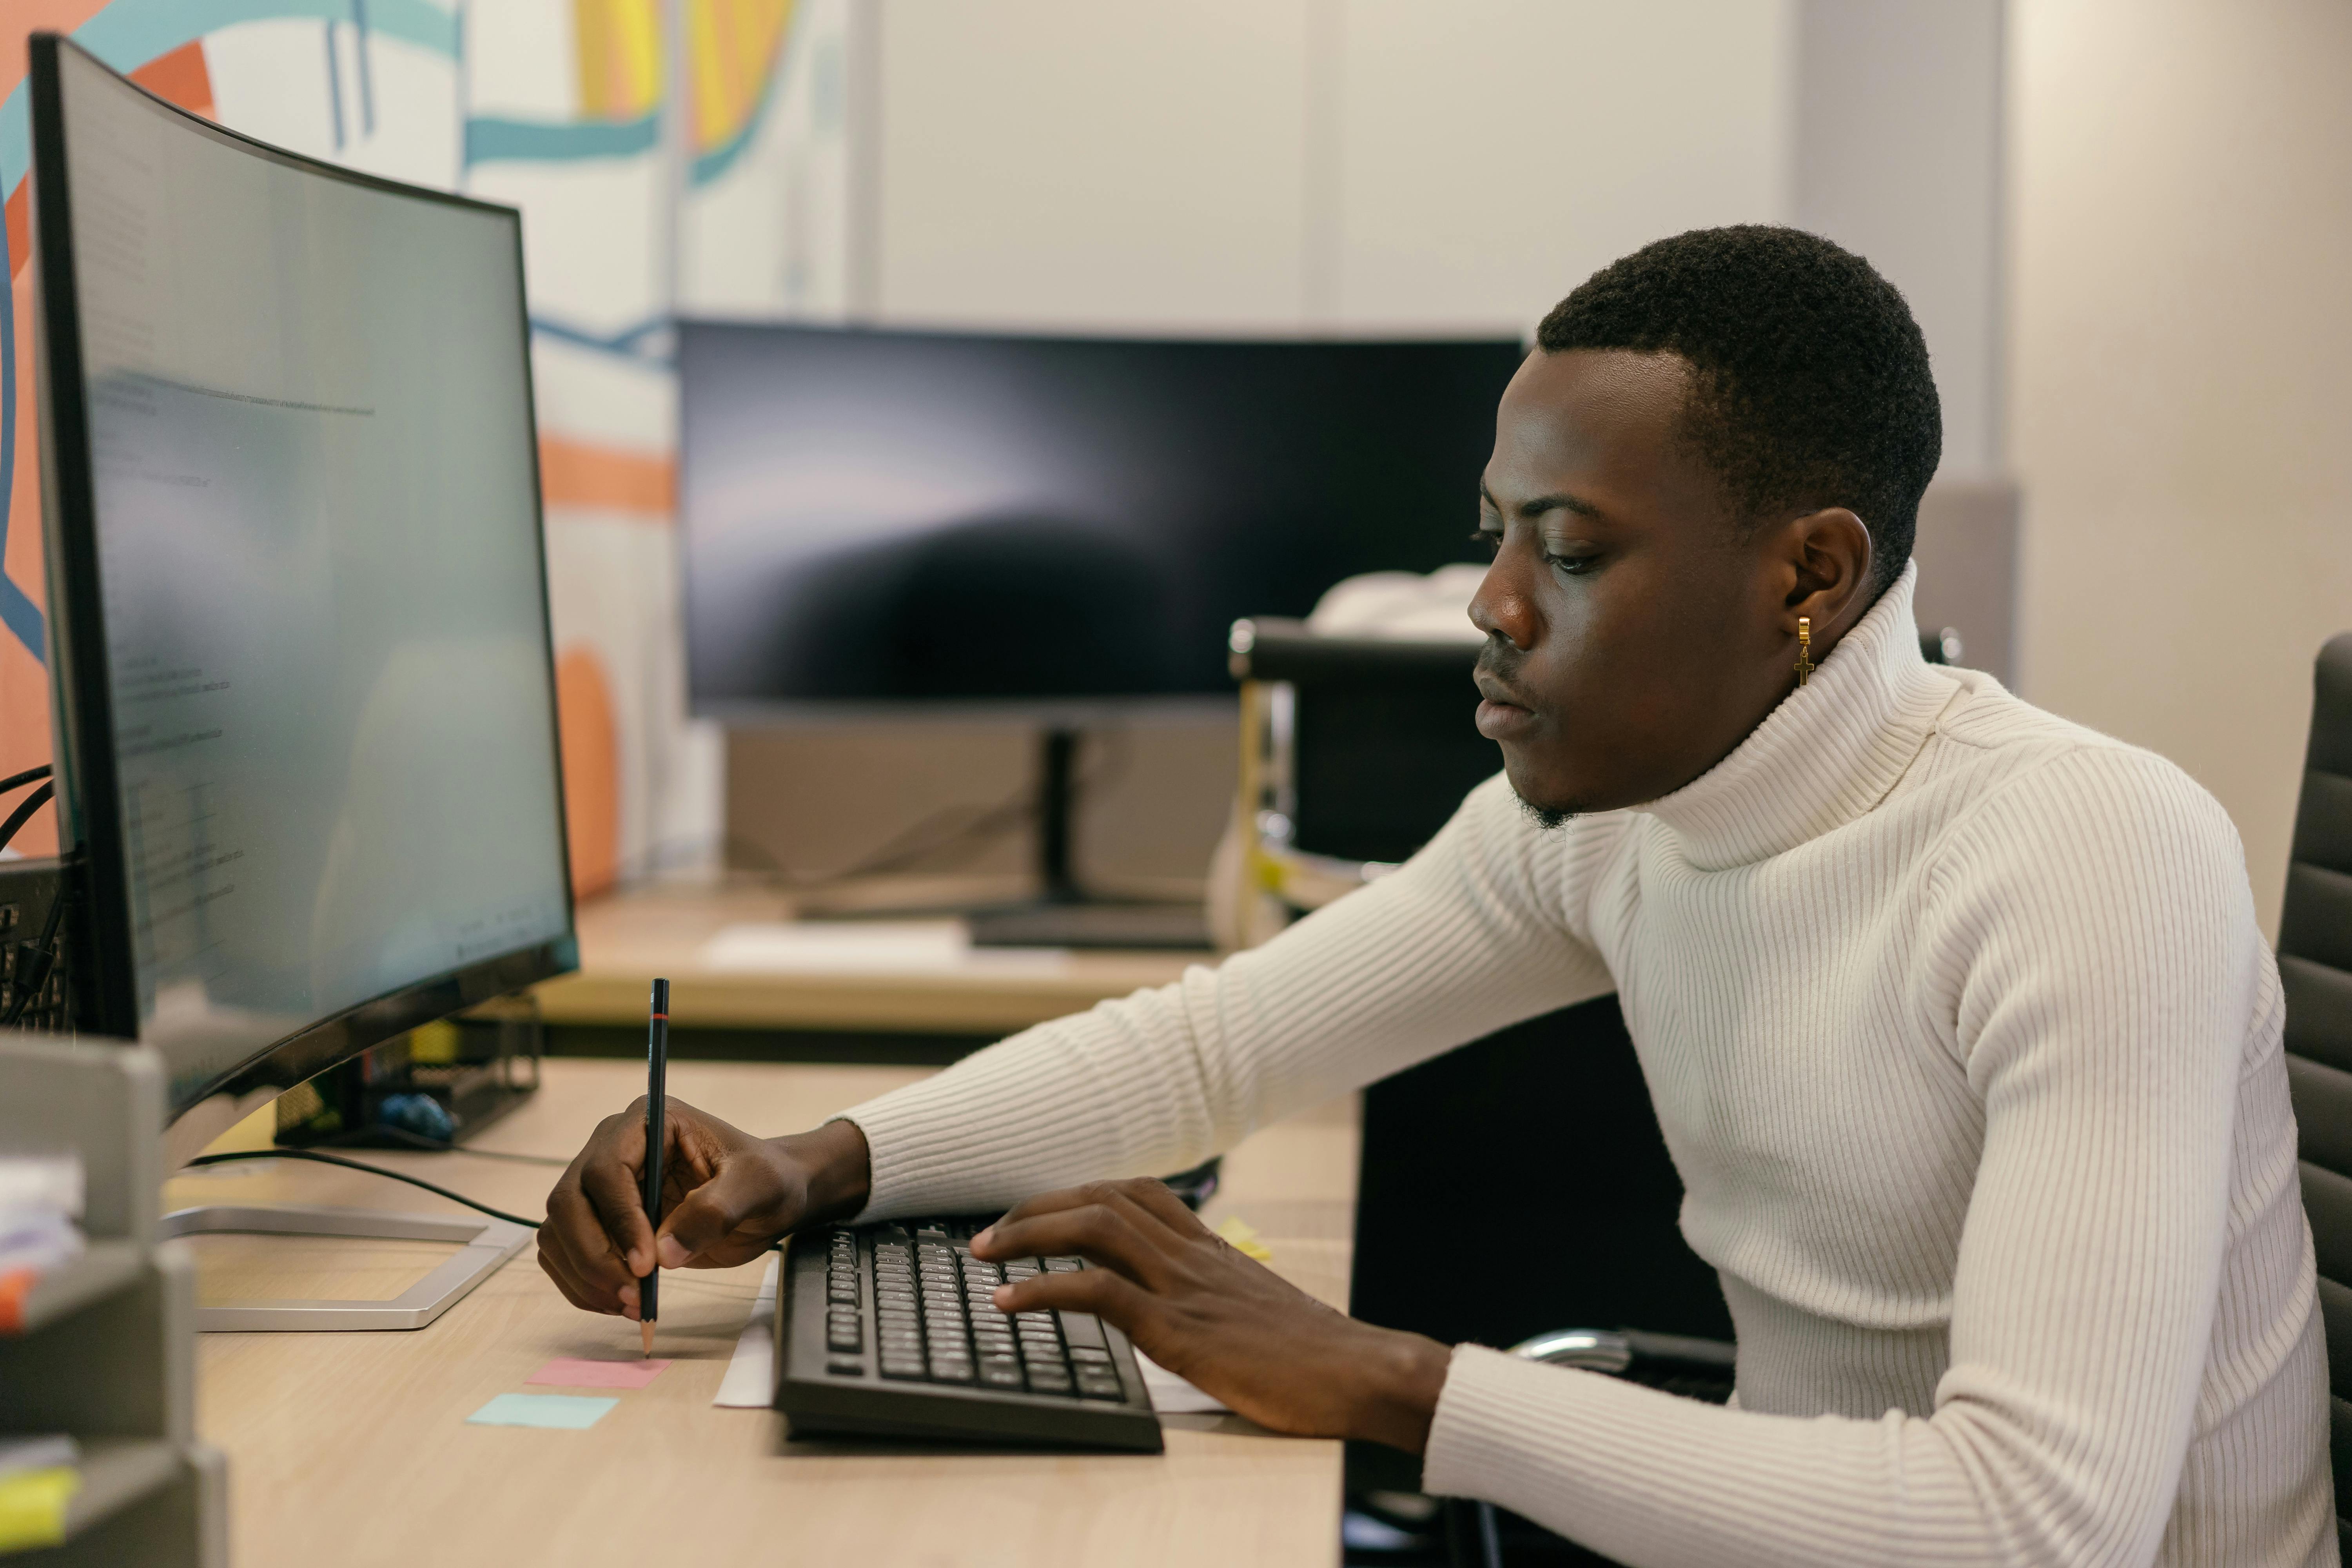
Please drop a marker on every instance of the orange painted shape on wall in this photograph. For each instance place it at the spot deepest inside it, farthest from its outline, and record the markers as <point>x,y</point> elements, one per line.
<point>24,738</point>
<point>578,473</point>
<point>180,77</point>
<point>23,560</point>
<point>591,767</point>
<point>25,18</point>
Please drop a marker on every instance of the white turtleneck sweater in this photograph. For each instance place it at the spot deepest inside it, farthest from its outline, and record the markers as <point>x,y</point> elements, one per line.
<point>1967,1046</point>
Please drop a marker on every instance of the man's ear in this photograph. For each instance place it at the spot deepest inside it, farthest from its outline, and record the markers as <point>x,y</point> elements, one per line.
<point>1829,554</point>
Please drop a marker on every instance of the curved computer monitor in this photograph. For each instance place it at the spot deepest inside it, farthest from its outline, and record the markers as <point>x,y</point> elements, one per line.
<point>296,592</point>
<point>891,520</point>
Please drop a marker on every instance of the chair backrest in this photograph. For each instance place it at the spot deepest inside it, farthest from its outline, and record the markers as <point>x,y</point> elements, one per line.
<point>1381,739</point>
<point>2315,958</point>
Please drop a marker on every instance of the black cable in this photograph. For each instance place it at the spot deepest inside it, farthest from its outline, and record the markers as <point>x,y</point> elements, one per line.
<point>23,812</point>
<point>28,776</point>
<point>442,1146</point>
<point>371,1170</point>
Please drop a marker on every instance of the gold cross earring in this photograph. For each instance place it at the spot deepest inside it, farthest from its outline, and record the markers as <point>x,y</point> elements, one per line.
<point>1804,648</point>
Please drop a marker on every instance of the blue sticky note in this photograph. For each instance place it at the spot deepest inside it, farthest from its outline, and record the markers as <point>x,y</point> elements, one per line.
<point>564,1412</point>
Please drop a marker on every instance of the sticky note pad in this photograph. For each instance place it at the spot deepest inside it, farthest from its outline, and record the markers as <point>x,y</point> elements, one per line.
<point>564,1412</point>
<point>1245,1238</point>
<point>32,1507</point>
<point>581,1372</point>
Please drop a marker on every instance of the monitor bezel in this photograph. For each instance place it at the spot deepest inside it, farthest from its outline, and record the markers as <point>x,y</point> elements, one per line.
<point>82,677</point>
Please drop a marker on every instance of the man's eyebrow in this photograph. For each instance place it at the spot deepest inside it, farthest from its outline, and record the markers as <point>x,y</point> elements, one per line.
<point>1542,504</point>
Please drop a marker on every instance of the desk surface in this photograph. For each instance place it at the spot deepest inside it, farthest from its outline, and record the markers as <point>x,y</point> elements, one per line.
<point>354,1448</point>
<point>626,938</point>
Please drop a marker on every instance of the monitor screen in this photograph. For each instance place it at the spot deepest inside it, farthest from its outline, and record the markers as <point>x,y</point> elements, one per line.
<point>303,631</point>
<point>902,517</point>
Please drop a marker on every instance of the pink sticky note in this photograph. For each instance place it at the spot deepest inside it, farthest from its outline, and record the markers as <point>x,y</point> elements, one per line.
<point>577,1372</point>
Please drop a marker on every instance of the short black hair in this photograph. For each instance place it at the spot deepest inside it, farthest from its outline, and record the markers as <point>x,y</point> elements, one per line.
<point>1809,383</point>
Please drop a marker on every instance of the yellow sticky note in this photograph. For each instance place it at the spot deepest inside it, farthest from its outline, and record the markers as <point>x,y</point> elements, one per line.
<point>32,1507</point>
<point>1245,1238</point>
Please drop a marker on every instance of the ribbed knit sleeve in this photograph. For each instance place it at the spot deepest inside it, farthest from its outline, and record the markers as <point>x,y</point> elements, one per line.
<point>2089,958</point>
<point>1469,936</point>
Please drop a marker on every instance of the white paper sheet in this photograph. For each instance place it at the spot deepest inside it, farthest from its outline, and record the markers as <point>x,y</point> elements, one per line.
<point>751,1380</point>
<point>1171,1394</point>
<point>869,947</point>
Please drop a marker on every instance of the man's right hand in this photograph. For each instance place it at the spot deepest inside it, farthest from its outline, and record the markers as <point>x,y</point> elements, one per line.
<point>726,1197</point>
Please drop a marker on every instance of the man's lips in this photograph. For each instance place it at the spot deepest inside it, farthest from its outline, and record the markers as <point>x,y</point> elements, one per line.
<point>1502,714</point>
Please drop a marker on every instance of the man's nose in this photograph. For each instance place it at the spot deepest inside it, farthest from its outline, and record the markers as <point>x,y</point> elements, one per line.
<point>1502,608</point>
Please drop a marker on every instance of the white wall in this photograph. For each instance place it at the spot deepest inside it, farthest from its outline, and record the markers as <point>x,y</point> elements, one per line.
<point>1492,153</point>
<point>2183,416</point>
<point>1392,165</point>
<point>1073,163</point>
<point>1275,165</point>
<point>1898,156</point>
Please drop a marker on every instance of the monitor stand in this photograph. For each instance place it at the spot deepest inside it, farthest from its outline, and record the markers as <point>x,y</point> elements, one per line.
<point>1065,914</point>
<point>483,1245</point>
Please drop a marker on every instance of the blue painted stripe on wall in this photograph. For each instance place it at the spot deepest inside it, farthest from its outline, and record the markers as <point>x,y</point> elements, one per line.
<point>537,141</point>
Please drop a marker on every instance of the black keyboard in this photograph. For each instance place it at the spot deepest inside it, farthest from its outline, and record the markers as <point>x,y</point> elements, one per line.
<point>888,1330</point>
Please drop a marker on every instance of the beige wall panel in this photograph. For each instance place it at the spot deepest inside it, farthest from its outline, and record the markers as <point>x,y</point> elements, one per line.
<point>1074,164</point>
<point>1492,153</point>
<point>2182,420</point>
<point>1154,797</point>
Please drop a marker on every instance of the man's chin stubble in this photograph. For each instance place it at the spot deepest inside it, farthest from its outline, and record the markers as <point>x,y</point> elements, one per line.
<point>1546,818</point>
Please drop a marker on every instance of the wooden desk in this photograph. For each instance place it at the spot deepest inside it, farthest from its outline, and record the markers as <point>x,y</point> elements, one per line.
<point>628,938</point>
<point>354,1448</point>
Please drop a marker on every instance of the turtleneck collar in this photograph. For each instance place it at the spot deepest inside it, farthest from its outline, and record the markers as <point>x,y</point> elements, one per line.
<point>1828,753</point>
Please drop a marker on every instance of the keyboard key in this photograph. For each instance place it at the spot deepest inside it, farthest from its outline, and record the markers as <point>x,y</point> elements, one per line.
<point>1000,1374</point>
<point>907,1368</point>
<point>1063,1265</point>
<point>1083,1329</point>
<point>951,1372</point>
<point>1097,1382</point>
<point>1048,1380</point>
<point>845,1367</point>
<point>1100,1358</point>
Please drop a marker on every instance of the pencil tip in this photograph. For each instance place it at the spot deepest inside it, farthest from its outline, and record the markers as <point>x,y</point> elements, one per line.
<point>646,1334</point>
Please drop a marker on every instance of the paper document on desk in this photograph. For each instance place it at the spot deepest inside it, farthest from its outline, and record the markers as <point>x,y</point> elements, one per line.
<point>751,1380</point>
<point>869,947</point>
<point>1173,1395</point>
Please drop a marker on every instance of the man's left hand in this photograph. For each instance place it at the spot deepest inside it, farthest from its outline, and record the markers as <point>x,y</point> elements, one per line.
<point>1226,1323</point>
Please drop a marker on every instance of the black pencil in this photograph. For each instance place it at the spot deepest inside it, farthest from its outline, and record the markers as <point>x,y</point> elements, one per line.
<point>657,1064</point>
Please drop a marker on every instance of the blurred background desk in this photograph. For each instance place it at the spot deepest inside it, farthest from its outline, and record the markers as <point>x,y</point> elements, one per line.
<point>907,1016</point>
<point>354,1448</point>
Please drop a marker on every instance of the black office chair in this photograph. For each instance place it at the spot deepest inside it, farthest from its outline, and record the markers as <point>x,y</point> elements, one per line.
<point>2315,958</point>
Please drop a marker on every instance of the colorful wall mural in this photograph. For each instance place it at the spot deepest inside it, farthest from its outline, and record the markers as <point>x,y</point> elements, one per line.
<point>560,107</point>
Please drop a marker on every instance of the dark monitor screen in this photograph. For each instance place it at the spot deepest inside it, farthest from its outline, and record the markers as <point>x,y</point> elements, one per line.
<point>300,606</point>
<point>894,517</point>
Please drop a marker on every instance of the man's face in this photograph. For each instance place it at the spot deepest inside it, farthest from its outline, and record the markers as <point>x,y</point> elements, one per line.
<point>1634,630</point>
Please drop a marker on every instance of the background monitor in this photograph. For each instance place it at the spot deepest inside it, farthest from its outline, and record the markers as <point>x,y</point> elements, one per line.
<point>298,596</point>
<point>895,518</point>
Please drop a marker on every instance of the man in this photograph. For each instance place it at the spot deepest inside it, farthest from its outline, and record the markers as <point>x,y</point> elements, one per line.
<point>1957,1020</point>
